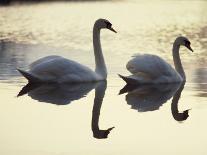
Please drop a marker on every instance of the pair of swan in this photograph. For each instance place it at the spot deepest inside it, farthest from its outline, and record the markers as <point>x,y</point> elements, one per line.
<point>145,68</point>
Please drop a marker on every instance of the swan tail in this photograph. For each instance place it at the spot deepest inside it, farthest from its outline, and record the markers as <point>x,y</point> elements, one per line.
<point>31,78</point>
<point>128,80</point>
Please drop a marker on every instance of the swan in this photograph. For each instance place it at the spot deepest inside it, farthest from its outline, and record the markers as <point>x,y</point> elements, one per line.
<point>56,69</point>
<point>147,68</point>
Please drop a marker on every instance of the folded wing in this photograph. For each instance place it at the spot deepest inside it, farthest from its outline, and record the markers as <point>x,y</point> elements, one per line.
<point>150,66</point>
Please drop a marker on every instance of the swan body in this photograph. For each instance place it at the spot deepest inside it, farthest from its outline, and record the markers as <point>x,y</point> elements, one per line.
<point>57,69</point>
<point>147,68</point>
<point>154,69</point>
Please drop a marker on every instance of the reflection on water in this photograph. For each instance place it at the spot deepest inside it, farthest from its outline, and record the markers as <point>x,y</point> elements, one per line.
<point>10,57</point>
<point>201,79</point>
<point>29,32</point>
<point>60,94</point>
<point>178,116</point>
<point>99,95</point>
<point>14,55</point>
<point>150,97</point>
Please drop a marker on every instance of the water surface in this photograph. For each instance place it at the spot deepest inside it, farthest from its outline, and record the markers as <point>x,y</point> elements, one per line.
<point>79,119</point>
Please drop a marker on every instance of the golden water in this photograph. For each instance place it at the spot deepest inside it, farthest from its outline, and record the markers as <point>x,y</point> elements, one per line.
<point>31,126</point>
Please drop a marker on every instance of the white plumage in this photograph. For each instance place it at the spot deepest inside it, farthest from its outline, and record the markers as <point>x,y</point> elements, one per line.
<point>151,68</point>
<point>148,68</point>
<point>59,70</point>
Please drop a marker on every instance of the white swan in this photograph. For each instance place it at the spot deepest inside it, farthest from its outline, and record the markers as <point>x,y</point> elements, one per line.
<point>59,70</point>
<point>148,68</point>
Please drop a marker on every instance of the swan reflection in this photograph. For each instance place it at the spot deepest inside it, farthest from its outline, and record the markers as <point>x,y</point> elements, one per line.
<point>62,94</point>
<point>150,97</point>
<point>99,95</point>
<point>178,116</point>
<point>59,94</point>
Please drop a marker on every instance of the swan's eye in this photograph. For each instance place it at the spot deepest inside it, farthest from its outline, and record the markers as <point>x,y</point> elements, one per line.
<point>108,24</point>
<point>187,43</point>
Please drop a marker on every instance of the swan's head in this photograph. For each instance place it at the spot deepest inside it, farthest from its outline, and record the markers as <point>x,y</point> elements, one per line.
<point>103,23</point>
<point>184,41</point>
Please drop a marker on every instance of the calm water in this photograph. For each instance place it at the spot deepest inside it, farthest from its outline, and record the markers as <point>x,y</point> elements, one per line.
<point>77,119</point>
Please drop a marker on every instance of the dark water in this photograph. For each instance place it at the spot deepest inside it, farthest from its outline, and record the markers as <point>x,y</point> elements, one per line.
<point>93,118</point>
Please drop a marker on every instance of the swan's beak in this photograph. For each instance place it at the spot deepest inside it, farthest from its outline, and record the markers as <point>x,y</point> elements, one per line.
<point>111,28</point>
<point>189,48</point>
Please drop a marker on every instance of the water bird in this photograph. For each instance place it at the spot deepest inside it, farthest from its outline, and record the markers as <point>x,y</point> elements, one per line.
<point>147,68</point>
<point>56,69</point>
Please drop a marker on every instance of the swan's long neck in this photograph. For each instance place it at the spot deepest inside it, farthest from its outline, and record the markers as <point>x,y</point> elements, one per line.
<point>99,59</point>
<point>177,61</point>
